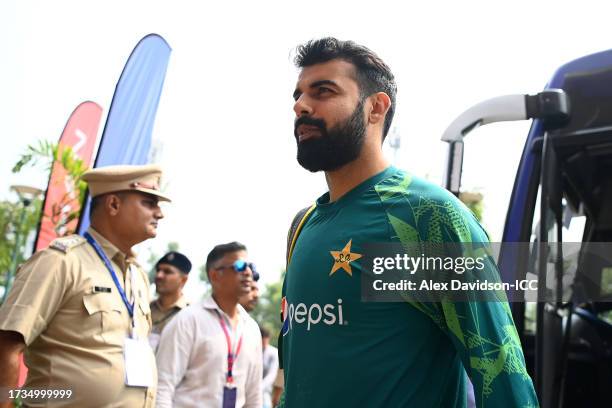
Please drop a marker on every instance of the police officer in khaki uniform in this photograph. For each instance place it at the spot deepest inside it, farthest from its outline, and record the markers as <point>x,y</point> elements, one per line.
<point>171,273</point>
<point>80,308</point>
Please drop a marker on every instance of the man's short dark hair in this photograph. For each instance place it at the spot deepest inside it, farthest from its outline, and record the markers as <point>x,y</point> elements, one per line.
<point>373,75</point>
<point>265,333</point>
<point>220,251</point>
<point>95,203</point>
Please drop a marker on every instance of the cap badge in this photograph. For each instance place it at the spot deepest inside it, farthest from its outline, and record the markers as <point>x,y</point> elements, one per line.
<point>138,184</point>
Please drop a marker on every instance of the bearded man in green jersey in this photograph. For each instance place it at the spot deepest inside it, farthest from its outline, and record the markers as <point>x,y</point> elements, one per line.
<point>339,351</point>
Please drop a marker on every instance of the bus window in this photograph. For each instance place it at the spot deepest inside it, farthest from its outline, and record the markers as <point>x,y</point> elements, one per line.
<point>489,168</point>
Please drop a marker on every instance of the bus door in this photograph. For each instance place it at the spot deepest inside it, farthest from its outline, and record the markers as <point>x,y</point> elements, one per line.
<point>561,209</point>
<point>573,337</point>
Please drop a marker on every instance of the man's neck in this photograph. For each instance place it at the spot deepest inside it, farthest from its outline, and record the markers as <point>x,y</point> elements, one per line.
<point>350,175</point>
<point>230,307</point>
<point>111,235</point>
<point>167,300</point>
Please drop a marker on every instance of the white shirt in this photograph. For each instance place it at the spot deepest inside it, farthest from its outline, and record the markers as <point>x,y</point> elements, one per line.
<point>192,359</point>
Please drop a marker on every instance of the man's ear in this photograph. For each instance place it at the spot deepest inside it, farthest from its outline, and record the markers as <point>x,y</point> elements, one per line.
<point>213,275</point>
<point>380,105</point>
<point>112,204</point>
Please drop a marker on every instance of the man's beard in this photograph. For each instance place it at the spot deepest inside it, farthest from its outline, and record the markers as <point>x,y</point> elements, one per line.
<point>334,148</point>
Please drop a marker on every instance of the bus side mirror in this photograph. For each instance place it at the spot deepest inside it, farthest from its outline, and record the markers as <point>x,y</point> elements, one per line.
<point>552,106</point>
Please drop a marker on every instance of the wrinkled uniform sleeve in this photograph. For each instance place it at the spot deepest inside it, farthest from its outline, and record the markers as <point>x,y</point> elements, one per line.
<point>172,357</point>
<point>36,295</point>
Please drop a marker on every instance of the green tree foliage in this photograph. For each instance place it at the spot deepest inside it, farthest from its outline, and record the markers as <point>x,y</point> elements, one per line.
<point>11,229</point>
<point>45,154</point>
<point>267,312</point>
<point>204,279</point>
<point>474,202</point>
<point>203,274</point>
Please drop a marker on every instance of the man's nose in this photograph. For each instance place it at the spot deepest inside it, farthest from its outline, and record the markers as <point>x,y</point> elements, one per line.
<point>302,107</point>
<point>158,213</point>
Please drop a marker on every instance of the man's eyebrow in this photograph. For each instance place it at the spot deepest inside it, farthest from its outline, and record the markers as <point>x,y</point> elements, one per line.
<point>323,82</point>
<point>297,92</point>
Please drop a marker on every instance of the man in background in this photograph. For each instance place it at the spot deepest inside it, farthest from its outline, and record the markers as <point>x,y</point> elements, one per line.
<point>210,354</point>
<point>270,367</point>
<point>171,273</point>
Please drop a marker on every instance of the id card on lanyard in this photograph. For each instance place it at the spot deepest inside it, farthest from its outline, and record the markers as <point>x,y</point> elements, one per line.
<point>137,354</point>
<point>229,389</point>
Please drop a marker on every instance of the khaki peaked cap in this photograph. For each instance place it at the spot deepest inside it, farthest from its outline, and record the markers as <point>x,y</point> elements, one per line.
<point>112,179</point>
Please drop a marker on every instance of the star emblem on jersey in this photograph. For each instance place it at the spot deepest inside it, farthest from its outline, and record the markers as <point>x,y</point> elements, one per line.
<point>343,259</point>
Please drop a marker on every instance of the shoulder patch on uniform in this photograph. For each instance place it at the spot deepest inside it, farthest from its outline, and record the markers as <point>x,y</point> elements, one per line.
<point>65,244</point>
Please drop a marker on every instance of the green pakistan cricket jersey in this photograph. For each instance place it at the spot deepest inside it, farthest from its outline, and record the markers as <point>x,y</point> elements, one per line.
<point>341,352</point>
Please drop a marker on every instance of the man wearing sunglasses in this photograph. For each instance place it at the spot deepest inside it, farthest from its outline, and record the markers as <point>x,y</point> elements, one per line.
<point>210,354</point>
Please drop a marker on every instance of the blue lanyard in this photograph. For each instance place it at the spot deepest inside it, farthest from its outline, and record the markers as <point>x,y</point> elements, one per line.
<point>102,255</point>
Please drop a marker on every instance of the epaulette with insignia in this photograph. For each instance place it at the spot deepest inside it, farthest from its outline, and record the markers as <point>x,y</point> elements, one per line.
<point>65,244</point>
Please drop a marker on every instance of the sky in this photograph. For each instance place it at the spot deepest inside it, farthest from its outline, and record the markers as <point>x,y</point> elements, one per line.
<point>224,127</point>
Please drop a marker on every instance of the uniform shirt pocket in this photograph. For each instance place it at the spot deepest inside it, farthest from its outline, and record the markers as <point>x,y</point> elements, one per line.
<point>107,319</point>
